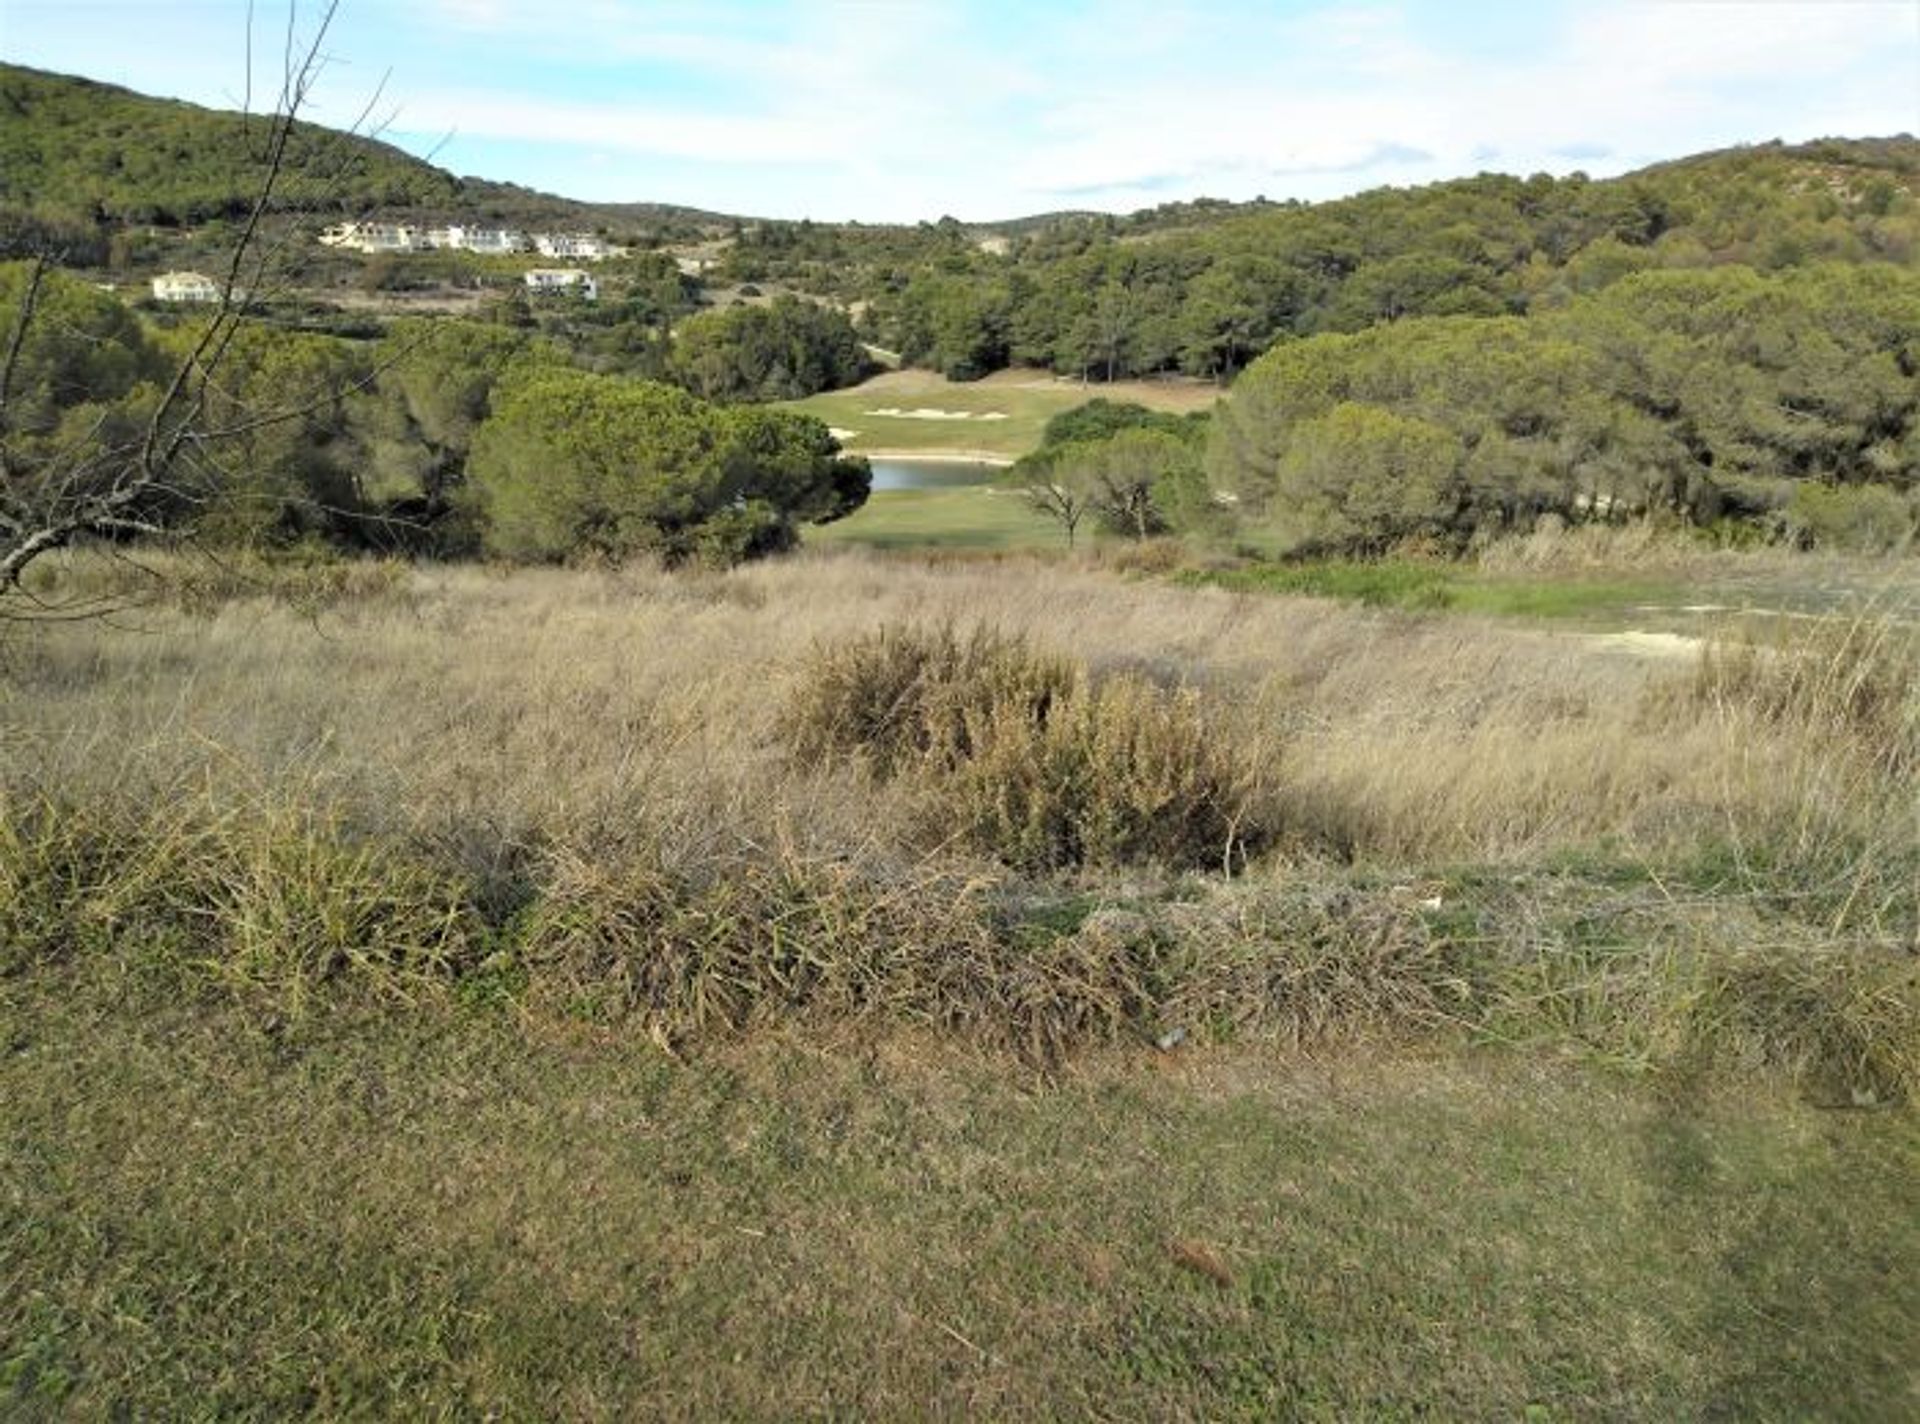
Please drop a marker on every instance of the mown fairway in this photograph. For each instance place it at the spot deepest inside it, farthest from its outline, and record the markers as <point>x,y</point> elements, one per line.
<point>998,418</point>
<point>965,518</point>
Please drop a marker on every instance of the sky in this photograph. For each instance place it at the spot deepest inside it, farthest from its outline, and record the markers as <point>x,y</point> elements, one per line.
<point>903,110</point>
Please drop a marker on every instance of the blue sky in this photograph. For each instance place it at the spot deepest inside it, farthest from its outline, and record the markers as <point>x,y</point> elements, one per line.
<point>886,110</point>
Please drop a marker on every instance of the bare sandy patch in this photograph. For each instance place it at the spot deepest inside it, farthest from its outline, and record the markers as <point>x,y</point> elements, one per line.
<point>940,457</point>
<point>927,412</point>
<point>1650,644</point>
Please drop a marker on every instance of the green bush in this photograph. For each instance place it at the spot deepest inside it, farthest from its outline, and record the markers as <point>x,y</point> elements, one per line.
<point>1871,519</point>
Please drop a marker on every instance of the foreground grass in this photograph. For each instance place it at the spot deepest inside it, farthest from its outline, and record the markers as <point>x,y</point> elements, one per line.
<point>1019,402</point>
<point>435,1211</point>
<point>585,994</point>
<point>963,518</point>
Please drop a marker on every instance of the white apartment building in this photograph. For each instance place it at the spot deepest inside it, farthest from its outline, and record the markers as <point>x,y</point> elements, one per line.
<point>185,287</point>
<point>377,237</point>
<point>494,241</point>
<point>561,279</point>
<point>578,245</point>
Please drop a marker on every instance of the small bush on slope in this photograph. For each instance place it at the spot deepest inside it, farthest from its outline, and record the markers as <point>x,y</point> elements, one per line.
<point>1030,760</point>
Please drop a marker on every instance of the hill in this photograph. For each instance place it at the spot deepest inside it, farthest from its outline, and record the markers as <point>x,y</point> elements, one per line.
<point>74,147</point>
<point>89,156</point>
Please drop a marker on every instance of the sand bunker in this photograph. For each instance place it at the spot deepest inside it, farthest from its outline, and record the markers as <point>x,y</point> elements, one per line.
<point>927,412</point>
<point>1653,645</point>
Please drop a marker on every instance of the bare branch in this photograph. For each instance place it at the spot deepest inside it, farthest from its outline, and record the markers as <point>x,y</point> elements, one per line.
<point>94,484</point>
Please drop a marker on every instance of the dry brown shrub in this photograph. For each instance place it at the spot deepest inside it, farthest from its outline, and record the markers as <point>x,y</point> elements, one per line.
<point>907,695</point>
<point>1118,773</point>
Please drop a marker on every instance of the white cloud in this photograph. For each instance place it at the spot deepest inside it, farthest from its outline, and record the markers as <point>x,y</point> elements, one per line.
<point>1617,86</point>
<point>910,108</point>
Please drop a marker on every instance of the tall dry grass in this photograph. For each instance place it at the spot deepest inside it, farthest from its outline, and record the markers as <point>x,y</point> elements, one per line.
<point>579,788</point>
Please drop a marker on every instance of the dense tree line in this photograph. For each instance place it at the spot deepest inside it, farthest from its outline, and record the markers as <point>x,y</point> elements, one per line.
<point>89,171</point>
<point>443,437</point>
<point>1791,398</point>
<point>782,351</point>
<point>1204,288</point>
<point>95,152</point>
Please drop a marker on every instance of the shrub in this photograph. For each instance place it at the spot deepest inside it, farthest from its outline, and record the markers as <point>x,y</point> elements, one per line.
<point>1029,759</point>
<point>907,695</point>
<point>1872,519</point>
<point>1120,773</point>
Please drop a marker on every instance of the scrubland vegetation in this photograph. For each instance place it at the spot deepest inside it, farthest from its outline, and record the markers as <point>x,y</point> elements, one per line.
<point>841,779</point>
<point>501,880</point>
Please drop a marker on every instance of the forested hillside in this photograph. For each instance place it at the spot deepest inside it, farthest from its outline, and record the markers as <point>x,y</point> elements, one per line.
<point>1732,336</point>
<point>94,152</point>
<point>82,160</point>
<point>1204,294</point>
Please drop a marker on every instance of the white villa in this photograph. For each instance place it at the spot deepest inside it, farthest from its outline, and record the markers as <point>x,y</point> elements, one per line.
<point>185,287</point>
<point>495,241</point>
<point>376,237</point>
<point>578,245</point>
<point>561,279</point>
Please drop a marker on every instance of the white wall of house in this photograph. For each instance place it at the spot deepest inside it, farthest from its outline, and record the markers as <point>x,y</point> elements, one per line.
<point>184,287</point>
<point>402,237</point>
<point>562,279</point>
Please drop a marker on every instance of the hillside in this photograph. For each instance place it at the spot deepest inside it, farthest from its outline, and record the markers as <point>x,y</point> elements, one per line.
<point>1200,286</point>
<point>75,147</point>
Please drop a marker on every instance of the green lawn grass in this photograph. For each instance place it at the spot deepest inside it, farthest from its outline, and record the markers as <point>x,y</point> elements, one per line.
<point>1392,583</point>
<point>1027,400</point>
<point>966,517</point>
<point>207,1210</point>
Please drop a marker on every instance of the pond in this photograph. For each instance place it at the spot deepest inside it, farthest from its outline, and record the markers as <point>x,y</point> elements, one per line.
<point>891,473</point>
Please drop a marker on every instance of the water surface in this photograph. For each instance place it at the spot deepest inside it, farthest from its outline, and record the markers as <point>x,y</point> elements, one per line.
<point>893,473</point>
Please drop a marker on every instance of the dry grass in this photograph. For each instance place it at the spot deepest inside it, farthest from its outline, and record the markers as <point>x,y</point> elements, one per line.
<point>576,789</point>
<point>457,998</point>
<point>1028,759</point>
<point>492,715</point>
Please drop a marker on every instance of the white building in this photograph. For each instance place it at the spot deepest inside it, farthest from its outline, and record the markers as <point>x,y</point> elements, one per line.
<point>499,240</point>
<point>377,237</point>
<point>184,287</point>
<point>496,241</point>
<point>562,279</point>
<point>578,245</point>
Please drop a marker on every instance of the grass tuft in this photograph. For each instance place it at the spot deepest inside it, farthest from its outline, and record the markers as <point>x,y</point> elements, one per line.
<point>906,695</point>
<point>1122,772</point>
<point>1029,759</point>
